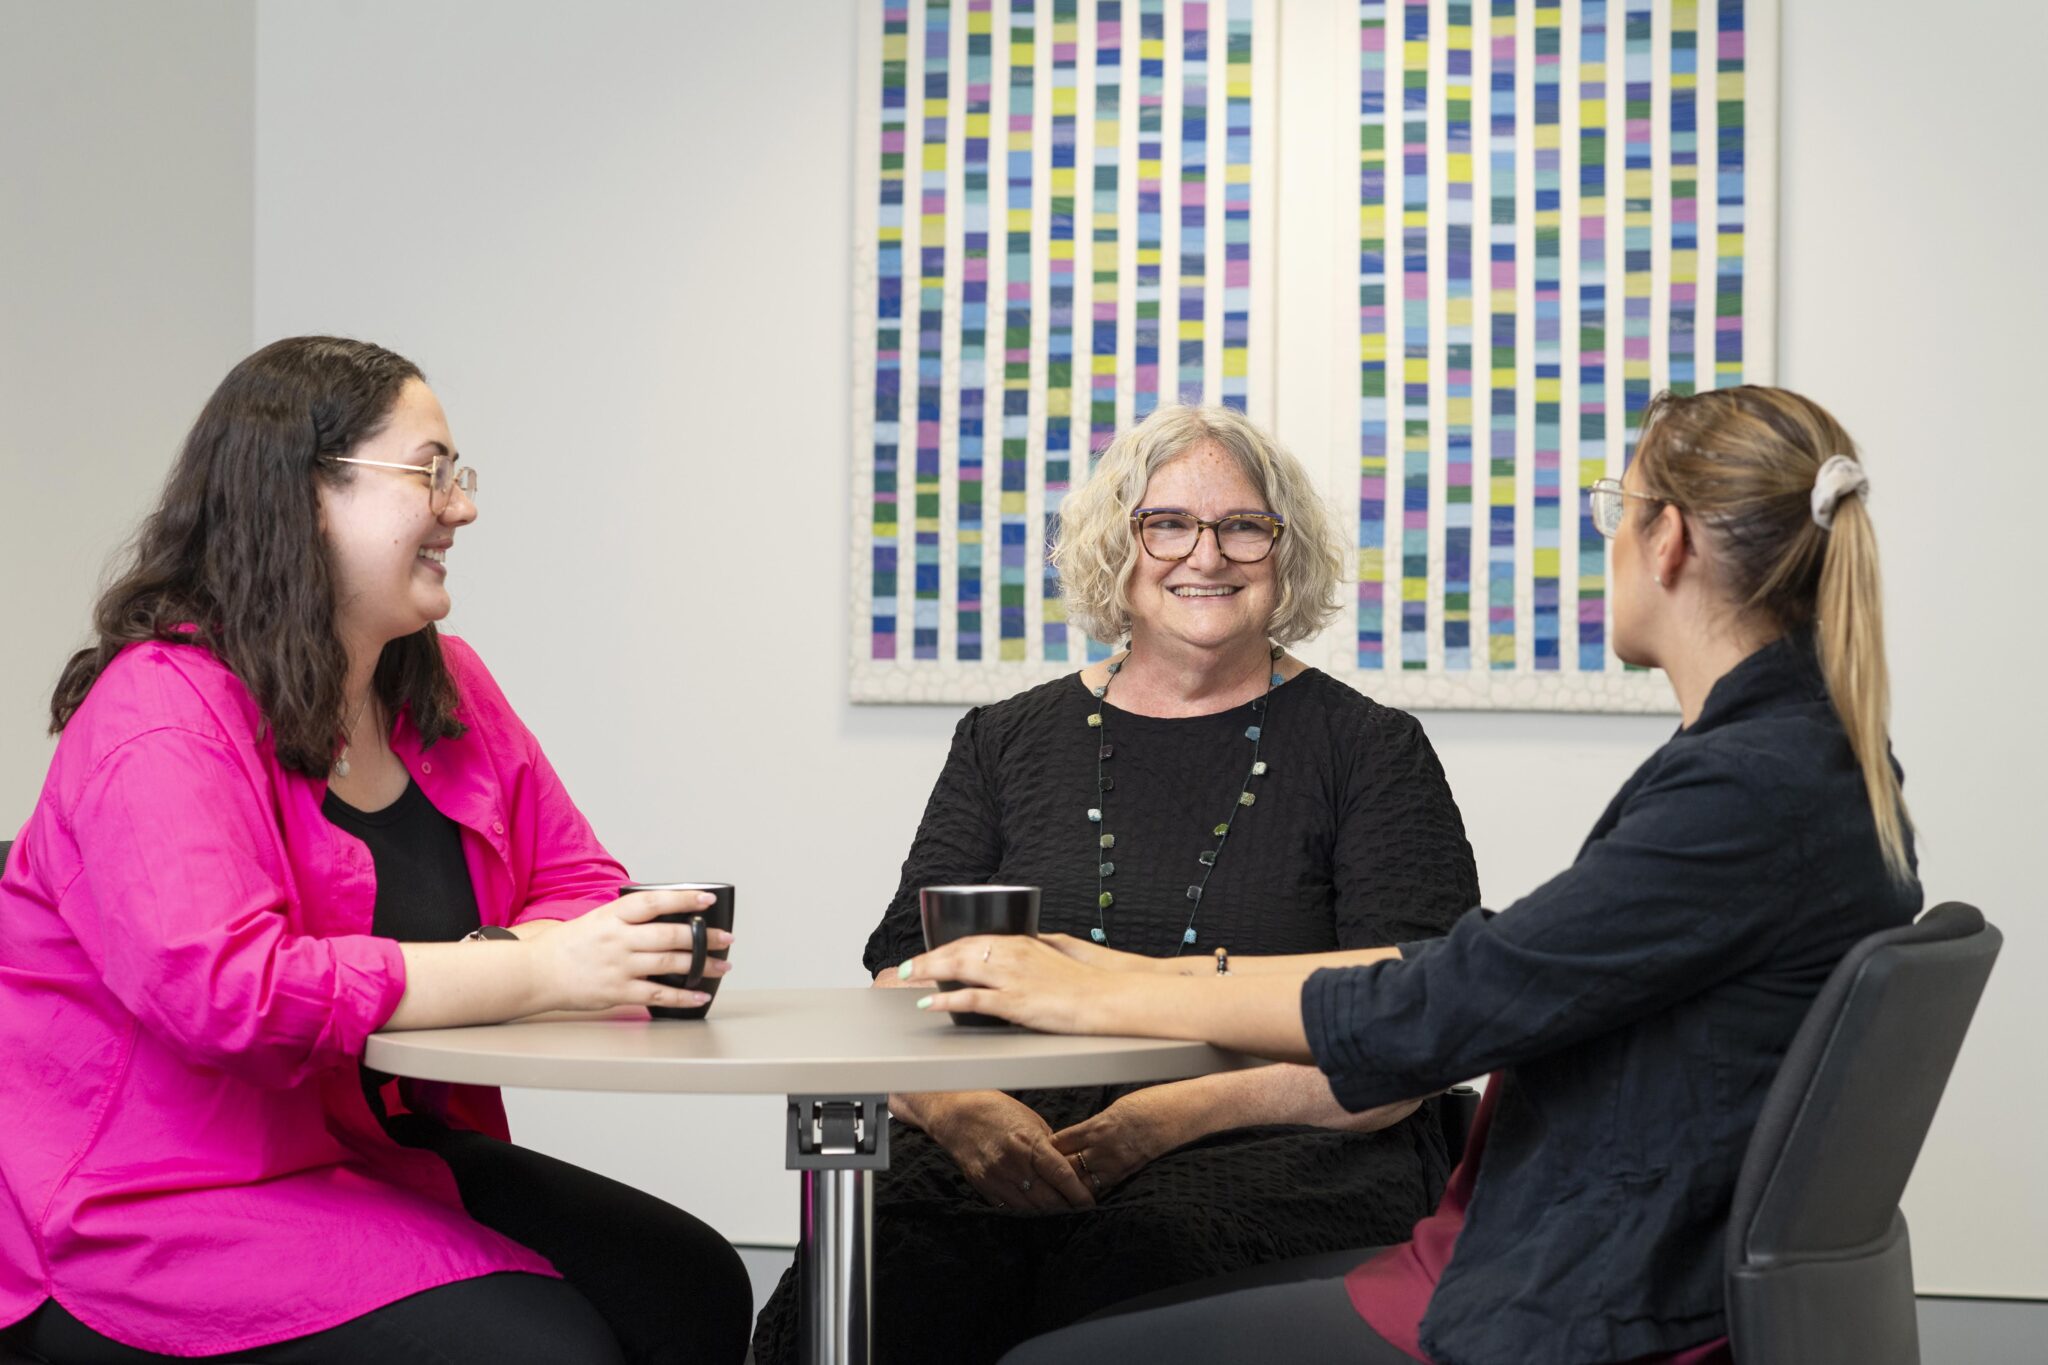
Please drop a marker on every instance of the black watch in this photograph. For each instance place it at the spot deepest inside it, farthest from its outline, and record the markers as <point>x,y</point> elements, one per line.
<point>487,933</point>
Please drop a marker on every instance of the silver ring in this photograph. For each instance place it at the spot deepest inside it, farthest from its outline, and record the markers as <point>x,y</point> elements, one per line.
<point>1095,1183</point>
<point>1082,1158</point>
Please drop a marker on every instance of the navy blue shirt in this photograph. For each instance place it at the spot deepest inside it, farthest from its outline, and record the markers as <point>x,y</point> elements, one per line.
<point>1636,1007</point>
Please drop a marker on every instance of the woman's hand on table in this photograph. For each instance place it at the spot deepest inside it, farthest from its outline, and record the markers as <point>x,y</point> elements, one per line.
<point>1024,980</point>
<point>1030,982</point>
<point>1005,1149</point>
<point>1114,1145</point>
<point>603,957</point>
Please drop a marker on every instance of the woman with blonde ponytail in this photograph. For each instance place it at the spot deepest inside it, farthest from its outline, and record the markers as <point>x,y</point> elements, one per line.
<point>1634,1009</point>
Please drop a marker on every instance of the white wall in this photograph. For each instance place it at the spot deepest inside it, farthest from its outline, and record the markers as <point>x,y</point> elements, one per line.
<point>1913,286</point>
<point>126,158</point>
<point>617,237</point>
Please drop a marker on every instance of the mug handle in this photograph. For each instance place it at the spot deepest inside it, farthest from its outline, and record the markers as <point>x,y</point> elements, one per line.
<point>697,950</point>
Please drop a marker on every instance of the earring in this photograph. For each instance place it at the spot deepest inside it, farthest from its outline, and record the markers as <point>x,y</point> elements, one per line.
<point>1660,580</point>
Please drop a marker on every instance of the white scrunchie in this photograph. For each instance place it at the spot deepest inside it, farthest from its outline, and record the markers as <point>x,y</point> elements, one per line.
<point>1839,477</point>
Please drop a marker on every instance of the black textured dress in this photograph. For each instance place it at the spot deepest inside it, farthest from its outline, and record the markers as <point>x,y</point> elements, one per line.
<point>1353,842</point>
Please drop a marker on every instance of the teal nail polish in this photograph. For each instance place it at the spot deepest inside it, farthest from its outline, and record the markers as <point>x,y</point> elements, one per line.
<point>903,972</point>
<point>925,1003</point>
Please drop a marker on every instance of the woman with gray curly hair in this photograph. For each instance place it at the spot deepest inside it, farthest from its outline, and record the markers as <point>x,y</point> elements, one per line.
<point>1200,792</point>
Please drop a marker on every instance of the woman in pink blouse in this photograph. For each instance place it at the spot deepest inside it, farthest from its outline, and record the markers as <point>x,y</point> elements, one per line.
<point>281,812</point>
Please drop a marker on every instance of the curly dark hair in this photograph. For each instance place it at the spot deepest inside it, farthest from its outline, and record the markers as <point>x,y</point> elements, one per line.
<point>232,558</point>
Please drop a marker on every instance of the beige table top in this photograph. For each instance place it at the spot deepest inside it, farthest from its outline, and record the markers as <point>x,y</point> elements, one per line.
<point>826,1041</point>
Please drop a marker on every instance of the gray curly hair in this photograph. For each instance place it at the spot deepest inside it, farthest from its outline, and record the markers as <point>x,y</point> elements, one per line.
<point>1097,548</point>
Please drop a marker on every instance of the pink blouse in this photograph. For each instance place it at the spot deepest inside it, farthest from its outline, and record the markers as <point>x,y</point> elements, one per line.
<point>187,981</point>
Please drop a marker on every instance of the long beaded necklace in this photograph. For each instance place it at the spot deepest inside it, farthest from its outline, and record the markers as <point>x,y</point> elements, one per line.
<point>1105,842</point>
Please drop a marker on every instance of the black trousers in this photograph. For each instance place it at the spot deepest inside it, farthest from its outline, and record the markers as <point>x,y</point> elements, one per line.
<point>643,1282</point>
<point>1293,1310</point>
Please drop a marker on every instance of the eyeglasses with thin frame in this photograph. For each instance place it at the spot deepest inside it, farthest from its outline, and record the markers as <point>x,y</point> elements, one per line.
<point>443,477</point>
<point>1604,496</point>
<point>1171,533</point>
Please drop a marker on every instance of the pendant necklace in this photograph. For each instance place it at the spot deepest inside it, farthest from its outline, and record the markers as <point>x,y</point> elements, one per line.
<point>1105,842</point>
<point>341,763</point>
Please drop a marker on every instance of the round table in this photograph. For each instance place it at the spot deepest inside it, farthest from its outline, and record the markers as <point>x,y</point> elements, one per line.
<point>836,1054</point>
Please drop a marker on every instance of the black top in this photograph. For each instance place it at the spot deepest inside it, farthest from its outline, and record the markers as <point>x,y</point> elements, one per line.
<point>424,894</point>
<point>423,889</point>
<point>1353,842</point>
<point>1635,1009</point>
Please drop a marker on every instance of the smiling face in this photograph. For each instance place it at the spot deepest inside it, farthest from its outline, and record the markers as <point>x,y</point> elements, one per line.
<point>1203,601</point>
<point>386,547</point>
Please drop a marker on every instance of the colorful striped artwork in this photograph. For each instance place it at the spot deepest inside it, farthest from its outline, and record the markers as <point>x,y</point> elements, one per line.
<point>1372,333</point>
<point>1546,534</point>
<point>1086,183</point>
<point>1554,186</point>
<point>931,332</point>
<point>1237,204</point>
<point>1415,339</point>
<point>1059,351</point>
<point>1593,209</point>
<point>1019,565</point>
<point>1151,223</point>
<point>1070,212</point>
<point>1194,201</point>
<point>972,408</point>
<point>885,427</point>
<point>1502,495</point>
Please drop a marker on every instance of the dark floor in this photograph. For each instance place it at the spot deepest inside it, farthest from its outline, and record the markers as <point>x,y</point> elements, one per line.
<point>1952,1331</point>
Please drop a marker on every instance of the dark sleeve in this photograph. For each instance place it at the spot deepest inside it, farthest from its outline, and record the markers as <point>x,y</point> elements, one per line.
<point>959,840</point>
<point>1693,884</point>
<point>1403,867</point>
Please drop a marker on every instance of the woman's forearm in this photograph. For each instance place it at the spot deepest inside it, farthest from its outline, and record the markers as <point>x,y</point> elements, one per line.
<point>448,985</point>
<point>1295,965</point>
<point>1258,1014</point>
<point>1267,1094</point>
<point>924,1109</point>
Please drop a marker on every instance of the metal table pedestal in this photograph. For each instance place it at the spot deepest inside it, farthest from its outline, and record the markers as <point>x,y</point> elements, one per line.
<point>834,1142</point>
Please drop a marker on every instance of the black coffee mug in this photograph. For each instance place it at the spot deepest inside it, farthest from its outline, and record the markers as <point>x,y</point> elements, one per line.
<point>717,916</point>
<point>950,912</point>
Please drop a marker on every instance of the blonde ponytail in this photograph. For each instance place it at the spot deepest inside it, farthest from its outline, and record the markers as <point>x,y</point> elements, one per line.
<point>1850,626</point>
<point>1744,462</point>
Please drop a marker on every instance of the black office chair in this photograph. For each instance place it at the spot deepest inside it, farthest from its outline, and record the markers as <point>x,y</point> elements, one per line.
<point>1820,1269</point>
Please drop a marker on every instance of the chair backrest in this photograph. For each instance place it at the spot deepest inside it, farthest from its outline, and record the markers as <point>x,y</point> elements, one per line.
<point>1819,1265</point>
